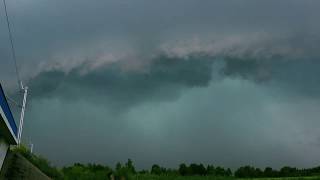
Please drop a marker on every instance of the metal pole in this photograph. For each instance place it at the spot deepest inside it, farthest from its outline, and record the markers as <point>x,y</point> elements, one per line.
<point>31,148</point>
<point>22,113</point>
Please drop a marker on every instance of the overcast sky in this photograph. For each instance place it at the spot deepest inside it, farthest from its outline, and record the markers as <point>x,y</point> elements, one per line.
<point>229,83</point>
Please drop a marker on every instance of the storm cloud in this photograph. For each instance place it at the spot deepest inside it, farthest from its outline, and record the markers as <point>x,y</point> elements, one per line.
<point>161,80</point>
<point>222,82</point>
<point>162,77</point>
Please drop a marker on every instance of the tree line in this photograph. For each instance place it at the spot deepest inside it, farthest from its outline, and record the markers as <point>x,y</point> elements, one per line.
<point>252,172</point>
<point>125,170</point>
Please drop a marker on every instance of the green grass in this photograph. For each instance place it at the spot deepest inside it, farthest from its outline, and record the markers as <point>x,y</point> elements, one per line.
<point>286,178</point>
<point>155,177</point>
<point>163,177</point>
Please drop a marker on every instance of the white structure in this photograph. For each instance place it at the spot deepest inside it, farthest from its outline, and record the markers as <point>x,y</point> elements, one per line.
<point>8,127</point>
<point>24,102</point>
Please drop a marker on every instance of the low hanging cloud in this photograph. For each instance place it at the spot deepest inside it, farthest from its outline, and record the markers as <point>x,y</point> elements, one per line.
<point>185,64</point>
<point>162,80</point>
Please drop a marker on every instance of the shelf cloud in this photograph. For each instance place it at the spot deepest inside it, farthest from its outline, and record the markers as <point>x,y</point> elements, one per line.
<point>222,82</point>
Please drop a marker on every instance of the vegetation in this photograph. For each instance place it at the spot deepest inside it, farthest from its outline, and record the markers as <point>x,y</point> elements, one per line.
<point>156,177</point>
<point>162,177</point>
<point>251,172</point>
<point>183,172</point>
<point>82,172</point>
<point>40,162</point>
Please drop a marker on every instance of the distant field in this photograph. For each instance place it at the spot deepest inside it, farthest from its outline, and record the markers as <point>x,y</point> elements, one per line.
<point>154,177</point>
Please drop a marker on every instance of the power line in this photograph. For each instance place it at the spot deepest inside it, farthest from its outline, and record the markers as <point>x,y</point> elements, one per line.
<point>12,44</point>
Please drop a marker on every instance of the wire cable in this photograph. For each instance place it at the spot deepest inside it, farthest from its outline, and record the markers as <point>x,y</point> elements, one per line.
<point>13,51</point>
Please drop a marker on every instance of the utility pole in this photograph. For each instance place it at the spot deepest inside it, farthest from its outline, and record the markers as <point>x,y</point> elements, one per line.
<point>23,88</point>
<point>24,102</point>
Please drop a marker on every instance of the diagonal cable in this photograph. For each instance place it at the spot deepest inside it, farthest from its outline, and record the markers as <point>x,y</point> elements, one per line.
<point>13,51</point>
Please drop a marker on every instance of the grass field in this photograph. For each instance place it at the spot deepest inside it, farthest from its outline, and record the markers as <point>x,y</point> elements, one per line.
<point>155,177</point>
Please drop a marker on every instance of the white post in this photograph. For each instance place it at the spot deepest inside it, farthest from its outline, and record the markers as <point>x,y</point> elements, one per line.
<point>31,148</point>
<point>22,112</point>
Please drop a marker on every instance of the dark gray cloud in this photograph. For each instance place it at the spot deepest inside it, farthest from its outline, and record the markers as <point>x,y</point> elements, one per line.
<point>221,123</point>
<point>297,77</point>
<point>162,79</point>
<point>175,105</point>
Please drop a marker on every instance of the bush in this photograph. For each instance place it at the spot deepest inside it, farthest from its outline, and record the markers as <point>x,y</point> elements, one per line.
<point>86,172</point>
<point>40,162</point>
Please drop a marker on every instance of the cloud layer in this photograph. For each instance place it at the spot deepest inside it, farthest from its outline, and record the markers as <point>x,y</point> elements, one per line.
<point>224,82</point>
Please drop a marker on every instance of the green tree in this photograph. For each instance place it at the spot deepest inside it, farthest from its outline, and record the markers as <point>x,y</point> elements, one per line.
<point>118,166</point>
<point>130,167</point>
<point>269,172</point>
<point>245,172</point>
<point>156,169</point>
<point>183,169</point>
<point>228,172</point>
<point>210,170</point>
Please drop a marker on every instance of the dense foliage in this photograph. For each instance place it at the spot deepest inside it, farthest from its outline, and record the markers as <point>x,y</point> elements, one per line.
<point>83,172</point>
<point>40,162</point>
<point>200,169</point>
<point>251,172</point>
<point>128,171</point>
